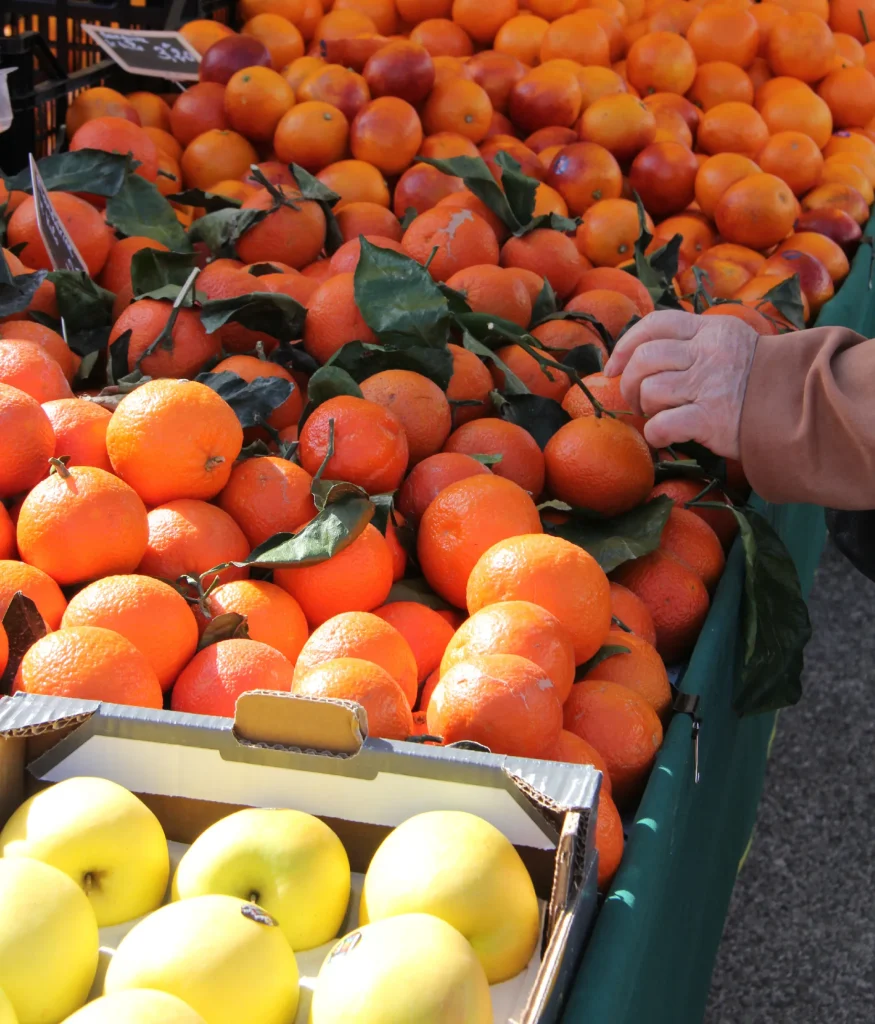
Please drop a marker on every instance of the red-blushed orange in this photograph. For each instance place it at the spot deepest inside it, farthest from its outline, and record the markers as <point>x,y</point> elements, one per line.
<point>273,617</point>
<point>427,632</point>
<point>632,612</point>
<point>642,670</point>
<point>609,839</point>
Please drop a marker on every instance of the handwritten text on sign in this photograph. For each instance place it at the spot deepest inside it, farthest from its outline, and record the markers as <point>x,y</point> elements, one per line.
<point>156,53</point>
<point>59,245</point>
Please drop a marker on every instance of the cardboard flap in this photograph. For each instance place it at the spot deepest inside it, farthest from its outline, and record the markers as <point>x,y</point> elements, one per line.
<point>31,714</point>
<point>288,721</point>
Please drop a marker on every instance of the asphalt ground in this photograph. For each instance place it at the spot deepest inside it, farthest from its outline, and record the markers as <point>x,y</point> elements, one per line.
<point>799,942</point>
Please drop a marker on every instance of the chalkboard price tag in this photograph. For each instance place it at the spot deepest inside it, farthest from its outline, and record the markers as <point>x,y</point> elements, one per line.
<point>59,245</point>
<point>148,52</point>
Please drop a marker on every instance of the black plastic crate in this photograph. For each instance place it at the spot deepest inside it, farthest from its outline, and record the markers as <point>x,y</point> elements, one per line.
<point>54,60</point>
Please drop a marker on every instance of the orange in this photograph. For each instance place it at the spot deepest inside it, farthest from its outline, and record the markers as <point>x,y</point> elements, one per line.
<point>521,459</point>
<point>52,342</point>
<point>480,21</point>
<point>490,289</point>
<point>370,446</point>
<point>801,46</point>
<point>442,38</point>
<point>561,336</point>
<point>337,85</point>
<point>606,391</point>
<point>609,841</point>
<point>33,583</point>
<point>445,145</point>
<point>750,260</point>
<point>251,368</point>
<point>550,254</point>
<point>840,196</point>
<point>470,382</point>
<point>333,318</point>
<point>273,617</point>
<point>255,100</point>
<point>358,634</point>
<point>724,278</point>
<point>692,541</point>
<point>850,95</point>
<point>600,464</point>
<point>173,439</point>
<point>462,239</point>
<point>501,142</point>
<point>719,81</point>
<point>521,37</point>
<point>623,728</point>
<point>8,548</point>
<point>427,479</point>
<point>611,279</point>
<point>116,271</point>
<point>830,254</point>
<point>613,310</point>
<point>402,69</point>
<point>189,537</point>
<point>201,108</point>
<point>425,631</point>
<point>661,103</point>
<point>546,95</point>
<point>283,40</point>
<point>757,211</point>
<point>844,16</point>
<point>367,219</point>
<point>148,612</point>
<point>323,589</point>
<point>118,135</point>
<point>641,669</point>
<point>583,173</point>
<point>661,62</point>
<point>312,134</point>
<point>549,383</point>
<point>346,258</point>
<point>386,133</point>
<point>572,749</point>
<point>664,176</point>
<point>291,9</point>
<point>464,520</point>
<point>521,628</point>
<point>553,573</point>
<point>396,549</point>
<point>633,613</point>
<point>293,233</point>
<point>552,9</point>
<point>216,676</point>
<point>717,173</point>
<point>84,224</point>
<point>152,110</point>
<point>80,431</point>
<point>721,32</point>
<point>553,137</point>
<point>60,525</point>
<point>797,108</point>
<point>203,32</point>
<point>676,596</point>
<point>365,683</point>
<point>578,37</point>
<point>268,495</point>
<point>620,123</point>
<point>340,24</point>
<point>189,348</point>
<point>609,231</point>
<point>422,186</point>
<point>89,663</point>
<point>732,128</point>
<point>99,102</point>
<point>496,73</point>
<point>419,405</point>
<point>215,155</point>
<point>458,106</point>
<point>794,158</point>
<point>503,701</point>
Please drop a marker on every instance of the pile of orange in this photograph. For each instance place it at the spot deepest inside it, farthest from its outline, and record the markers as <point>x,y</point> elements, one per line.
<point>746,129</point>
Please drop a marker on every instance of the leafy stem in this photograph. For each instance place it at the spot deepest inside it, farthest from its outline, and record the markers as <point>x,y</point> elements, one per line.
<point>165,337</point>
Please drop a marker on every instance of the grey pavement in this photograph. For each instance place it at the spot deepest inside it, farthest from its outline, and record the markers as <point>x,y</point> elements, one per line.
<point>799,943</point>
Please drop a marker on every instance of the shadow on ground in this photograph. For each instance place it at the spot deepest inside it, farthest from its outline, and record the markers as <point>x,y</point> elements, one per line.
<point>799,944</point>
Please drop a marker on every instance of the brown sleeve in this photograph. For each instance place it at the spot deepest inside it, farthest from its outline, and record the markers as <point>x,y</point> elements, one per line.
<point>808,420</point>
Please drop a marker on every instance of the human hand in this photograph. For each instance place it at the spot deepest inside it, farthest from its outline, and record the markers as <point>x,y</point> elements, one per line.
<point>689,374</point>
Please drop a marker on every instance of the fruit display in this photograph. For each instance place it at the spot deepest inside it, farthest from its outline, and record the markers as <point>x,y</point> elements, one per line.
<point>263,921</point>
<point>324,412</point>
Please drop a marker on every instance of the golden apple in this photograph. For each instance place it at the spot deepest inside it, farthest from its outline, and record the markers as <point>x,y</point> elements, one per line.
<point>7,1013</point>
<point>136,1006</point>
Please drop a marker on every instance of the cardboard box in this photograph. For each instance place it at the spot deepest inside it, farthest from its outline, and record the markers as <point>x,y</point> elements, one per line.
<point>288,751</point>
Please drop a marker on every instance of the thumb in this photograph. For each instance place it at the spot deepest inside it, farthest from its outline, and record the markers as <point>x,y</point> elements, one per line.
<point>666,324</point>
<point>675,426</point>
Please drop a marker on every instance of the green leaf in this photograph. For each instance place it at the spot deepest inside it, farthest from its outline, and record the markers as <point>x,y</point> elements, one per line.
<point>553,221</point>
<point>228,626</point>
<point>657,270</point>
<point>220,231</point>
<point>611,542</point>
<point>457,302</point>
<point>786,297</point>
<point>602,654</point>
<point>332,530</point>
<point>313,189</point>
<point>209,201</point>
<point>409,217</point>
<point>85,309</point>
<point>586,359</point>
<point>512,384</point>
<point>362,360</point>
<point>295,358</point>
<point>685,469</point>
<point>159,275</point>
<point>140,209</point>
<point>384,505</point>
<point>326,492</point>
<point>263,269</point>
<point>254,401</point>
<point>546,303</point>
<point>418,591</point>
<point>541,417</point>
<point>276,315</point>
<point>579,316</point>
<point>24,626</point>
<point>88,170</point>
<point>475,173</point>
<point>776,624</point>
<point>17,290</point>
<point>519,189</point>
<point>712,465</point>
<point>486,460</point>
<point>117,369</point>
<point>329,382</point>
<point>399,300</point>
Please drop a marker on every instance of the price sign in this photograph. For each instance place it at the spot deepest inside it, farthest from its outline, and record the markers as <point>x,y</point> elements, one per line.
<point>148,52</point>
<point>59,245</point>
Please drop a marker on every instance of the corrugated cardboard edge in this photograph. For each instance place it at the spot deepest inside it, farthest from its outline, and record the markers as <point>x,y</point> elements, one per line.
<point>31,714</point>
<point>266,719</point>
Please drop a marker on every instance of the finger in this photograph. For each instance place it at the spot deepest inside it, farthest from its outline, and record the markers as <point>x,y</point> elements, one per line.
<point>665,324</point>
<point>651,358</point>
<point>665,391</point>
<point>675,426</point>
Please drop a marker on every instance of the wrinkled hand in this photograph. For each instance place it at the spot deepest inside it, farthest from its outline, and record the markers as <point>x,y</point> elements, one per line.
<point>689,374</point>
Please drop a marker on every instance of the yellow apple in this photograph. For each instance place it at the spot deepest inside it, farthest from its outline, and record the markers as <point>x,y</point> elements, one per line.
<point>48,941</point>
<point>226,958</point>
<point>102,836</point>
<point>460,868</point>
<point>287,862</point>
<point>411,969</point>
<point>136,1006</point>
<point>7,1013</point>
